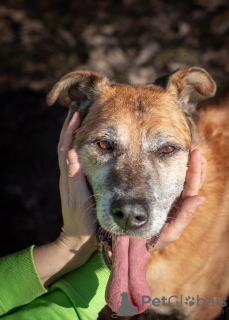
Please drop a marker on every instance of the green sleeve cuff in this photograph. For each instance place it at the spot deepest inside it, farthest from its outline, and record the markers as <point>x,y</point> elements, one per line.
<point>19,280</point>
<point>86,286</point>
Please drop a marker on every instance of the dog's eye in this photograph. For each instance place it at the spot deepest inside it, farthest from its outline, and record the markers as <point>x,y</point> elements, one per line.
<point>104,145</point>
<point>168,149</point>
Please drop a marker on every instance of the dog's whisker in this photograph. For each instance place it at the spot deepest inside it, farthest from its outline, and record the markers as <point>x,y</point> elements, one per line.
<point>92,205</point>
<point>95,221</point>
<point>91,210</point>
<point>91,196</point>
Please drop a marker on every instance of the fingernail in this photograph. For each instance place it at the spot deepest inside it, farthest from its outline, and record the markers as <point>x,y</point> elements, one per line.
<point>199,202</point>
<point>75,115</point>
<point>76,159</point>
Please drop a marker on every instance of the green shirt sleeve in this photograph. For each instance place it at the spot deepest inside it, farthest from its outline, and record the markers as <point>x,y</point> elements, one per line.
<point>86,286</point>
<point>19,281</point>
<point>78,295</point>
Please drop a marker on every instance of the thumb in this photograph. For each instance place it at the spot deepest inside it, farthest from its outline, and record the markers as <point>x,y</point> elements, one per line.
<point>176,225</point>
<point>76,179</point>
<point>74,167</point>
<point>187,211</point>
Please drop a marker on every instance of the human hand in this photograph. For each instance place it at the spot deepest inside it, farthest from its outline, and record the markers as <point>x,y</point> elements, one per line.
<point>78,206</point>
<point>77,240</point>
<point>189,202</point>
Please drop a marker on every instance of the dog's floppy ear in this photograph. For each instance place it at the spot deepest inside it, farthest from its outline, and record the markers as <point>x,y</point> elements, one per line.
<point>181,83</point>
<point>79,90</point>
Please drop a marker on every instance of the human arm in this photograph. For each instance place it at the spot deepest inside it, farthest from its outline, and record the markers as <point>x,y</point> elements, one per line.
<point>19,281</point>
<point>77,240</point>
<point>78,295</point>
<point>25,274</point>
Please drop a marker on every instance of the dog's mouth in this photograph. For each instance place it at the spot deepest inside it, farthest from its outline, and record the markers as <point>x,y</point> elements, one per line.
<point>106,238</point>
<point>127,257</point>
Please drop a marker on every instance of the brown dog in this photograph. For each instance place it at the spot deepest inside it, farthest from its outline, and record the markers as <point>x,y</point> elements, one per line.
<point>134,144</point>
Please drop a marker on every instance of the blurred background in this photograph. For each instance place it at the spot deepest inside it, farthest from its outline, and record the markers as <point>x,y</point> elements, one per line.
<point>130,41</point>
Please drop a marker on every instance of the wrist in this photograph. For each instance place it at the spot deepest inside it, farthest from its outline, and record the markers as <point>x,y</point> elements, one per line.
<point>76,249</point>
<point>65,254</point>
<point>70,241</point>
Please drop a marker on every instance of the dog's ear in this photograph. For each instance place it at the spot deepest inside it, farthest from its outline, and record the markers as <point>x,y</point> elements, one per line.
<point>78,89</point>
<point>182,82</point>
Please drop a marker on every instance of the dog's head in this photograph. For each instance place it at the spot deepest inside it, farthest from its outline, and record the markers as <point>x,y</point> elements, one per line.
<point>134,143</point>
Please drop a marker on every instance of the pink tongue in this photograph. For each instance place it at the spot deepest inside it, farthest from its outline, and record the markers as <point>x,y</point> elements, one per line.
<point>128,273</point>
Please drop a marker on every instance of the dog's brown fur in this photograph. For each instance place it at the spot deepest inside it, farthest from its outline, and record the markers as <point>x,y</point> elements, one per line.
<point>198,262</point>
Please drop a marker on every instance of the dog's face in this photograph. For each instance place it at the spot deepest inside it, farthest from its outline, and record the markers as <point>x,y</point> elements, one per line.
<point>134,145</point>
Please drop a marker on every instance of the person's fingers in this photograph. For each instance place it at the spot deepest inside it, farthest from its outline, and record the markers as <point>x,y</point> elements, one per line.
<point>64,126</point>
<point>80,195</point>
<point>174,228</point>
<point>76,179</point>
<point>73,163</point>
<point>203,170</point>
<point>66,142</point>
<point>73,172</point>
<point>193,177</point>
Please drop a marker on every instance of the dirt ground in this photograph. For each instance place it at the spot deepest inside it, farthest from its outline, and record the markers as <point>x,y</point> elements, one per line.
<point>129,41</point>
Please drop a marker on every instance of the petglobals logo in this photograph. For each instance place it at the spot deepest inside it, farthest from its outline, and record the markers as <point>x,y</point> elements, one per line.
<point>175,301</point>
<point>125,308</point>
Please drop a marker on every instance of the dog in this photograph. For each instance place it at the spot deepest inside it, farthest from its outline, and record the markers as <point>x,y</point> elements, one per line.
<point>134,145</point>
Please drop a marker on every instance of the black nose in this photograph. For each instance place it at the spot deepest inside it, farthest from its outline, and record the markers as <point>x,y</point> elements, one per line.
<point>129,215</point>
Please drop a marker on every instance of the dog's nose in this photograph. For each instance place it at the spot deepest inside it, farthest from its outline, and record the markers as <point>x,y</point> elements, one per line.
<point>129,215</point>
